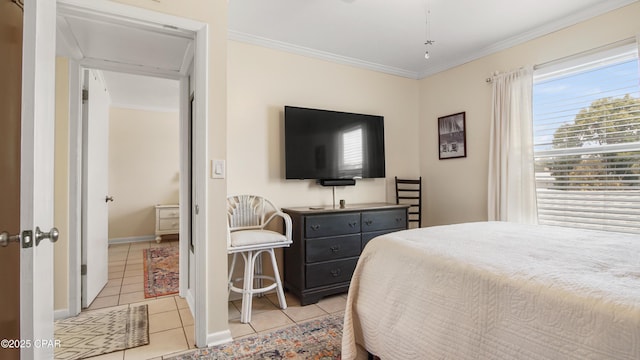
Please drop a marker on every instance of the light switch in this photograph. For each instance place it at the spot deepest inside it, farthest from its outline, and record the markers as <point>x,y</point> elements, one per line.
<point>217,169</point>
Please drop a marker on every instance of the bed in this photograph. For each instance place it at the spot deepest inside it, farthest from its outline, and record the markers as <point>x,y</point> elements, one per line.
<point>495,290</point>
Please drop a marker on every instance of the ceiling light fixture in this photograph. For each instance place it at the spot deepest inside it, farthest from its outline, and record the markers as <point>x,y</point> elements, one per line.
<point>427,30</point>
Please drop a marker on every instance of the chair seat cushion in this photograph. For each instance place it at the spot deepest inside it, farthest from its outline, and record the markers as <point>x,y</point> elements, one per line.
<point>255,237</point>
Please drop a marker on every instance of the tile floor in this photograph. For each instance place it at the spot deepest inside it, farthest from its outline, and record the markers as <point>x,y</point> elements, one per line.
<point>126,276</point>
<point>170,321</point>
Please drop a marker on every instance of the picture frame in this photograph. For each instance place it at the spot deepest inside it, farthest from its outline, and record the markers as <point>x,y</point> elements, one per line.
<point>452,136</point>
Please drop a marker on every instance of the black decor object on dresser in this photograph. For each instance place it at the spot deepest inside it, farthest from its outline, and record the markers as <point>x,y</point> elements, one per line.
<point>327,243</point>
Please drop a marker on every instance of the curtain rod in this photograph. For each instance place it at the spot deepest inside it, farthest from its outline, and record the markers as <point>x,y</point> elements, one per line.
<point>496,73</point>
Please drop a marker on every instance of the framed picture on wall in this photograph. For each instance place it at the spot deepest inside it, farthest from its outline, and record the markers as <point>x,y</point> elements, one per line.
<point>452,136</point>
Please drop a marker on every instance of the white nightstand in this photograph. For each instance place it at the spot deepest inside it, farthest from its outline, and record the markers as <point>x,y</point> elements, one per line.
<point>167,220</point>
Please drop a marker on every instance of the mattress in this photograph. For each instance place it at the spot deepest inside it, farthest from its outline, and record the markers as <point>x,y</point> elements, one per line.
<point>495,290</point>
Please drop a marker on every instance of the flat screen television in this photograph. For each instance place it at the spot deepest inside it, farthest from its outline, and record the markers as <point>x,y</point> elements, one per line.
<point>332,145</point>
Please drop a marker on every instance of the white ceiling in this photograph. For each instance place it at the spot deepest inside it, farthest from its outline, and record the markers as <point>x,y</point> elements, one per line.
<point>148,59</point>
<point>381,35</point>
<point>389,36</point>
<point>103,41</point>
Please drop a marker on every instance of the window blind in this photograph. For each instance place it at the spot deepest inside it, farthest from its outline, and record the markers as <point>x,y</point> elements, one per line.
<point>587,141</point>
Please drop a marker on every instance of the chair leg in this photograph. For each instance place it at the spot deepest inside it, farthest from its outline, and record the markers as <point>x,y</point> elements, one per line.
<point>258,271</point>
<point>247,293</point>
<point>233,267</point>
<point>276,275</point>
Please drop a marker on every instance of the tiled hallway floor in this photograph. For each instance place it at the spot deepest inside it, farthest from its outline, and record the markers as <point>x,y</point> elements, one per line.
<point>170,321</point>
<point>126,276</point>
<point>171,328</point>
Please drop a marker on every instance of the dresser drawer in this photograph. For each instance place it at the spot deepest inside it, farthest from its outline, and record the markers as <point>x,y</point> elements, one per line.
<point>384,219</point>
<point>332,248</point>
<point>330,272</point>
<point>327,244</point>
<point>168,213</point>
<point>334,224</point>
<point>168,224</point>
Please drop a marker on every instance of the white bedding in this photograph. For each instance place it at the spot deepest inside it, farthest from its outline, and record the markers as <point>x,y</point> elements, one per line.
<point>495,290</point>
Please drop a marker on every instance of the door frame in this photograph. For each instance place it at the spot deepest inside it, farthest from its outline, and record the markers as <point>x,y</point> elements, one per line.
<point>36,175</point>
<point>150,20</point>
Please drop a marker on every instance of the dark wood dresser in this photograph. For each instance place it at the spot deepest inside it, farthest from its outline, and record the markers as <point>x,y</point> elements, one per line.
<point>327,243</point>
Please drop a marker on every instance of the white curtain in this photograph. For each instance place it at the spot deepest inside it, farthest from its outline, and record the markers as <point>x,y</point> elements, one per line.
<point>512,188</point>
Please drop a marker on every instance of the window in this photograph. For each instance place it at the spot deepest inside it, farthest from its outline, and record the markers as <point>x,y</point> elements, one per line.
<point>352,151</point>
<point>586,122</point>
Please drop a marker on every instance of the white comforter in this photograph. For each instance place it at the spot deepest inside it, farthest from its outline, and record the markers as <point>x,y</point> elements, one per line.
<point>495,291</point>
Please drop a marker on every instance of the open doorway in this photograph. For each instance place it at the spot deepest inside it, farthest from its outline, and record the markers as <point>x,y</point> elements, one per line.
<point>141,189</point>
<point>110,43</point>
<point>143,145</point>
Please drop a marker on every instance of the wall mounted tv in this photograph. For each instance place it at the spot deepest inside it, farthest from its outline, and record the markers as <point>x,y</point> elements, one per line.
<point>333,147</point>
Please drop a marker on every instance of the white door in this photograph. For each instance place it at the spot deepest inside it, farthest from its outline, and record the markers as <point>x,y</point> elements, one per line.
<point>36,182</point>
<point>95,145</point>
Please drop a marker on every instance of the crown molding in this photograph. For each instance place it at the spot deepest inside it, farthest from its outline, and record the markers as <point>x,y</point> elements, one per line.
<point>546,29</point>
<point>318,54</point>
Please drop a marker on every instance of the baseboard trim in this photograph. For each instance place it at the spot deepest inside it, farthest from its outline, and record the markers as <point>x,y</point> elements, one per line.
<point>132,239</point>
<point>220,337</point>
<point>61,314</point>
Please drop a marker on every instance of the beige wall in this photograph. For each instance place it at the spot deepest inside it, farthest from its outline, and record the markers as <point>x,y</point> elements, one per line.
<point>258,92</point>
<point>214,14</point>
<point>263,81</point>
<point>61,186</point>
<point>144,168</point>
<point>456,189</point>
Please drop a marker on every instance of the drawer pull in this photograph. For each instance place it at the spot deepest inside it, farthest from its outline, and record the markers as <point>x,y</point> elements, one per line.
<point>398,219</point>
<point>335,248</point>
<point>353,224</point>
<point>315,227</point>
<point>336,272</point>
<point>368,222</point>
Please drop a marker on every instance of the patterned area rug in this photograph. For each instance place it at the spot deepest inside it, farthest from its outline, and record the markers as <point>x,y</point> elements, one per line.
<point>102,331</point>
<point>316,339</point>
<point>161,271</point>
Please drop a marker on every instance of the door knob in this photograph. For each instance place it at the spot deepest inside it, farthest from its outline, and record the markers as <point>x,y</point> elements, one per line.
<point>51,235</point>
<point>108,198</point>
<point>5,238</point>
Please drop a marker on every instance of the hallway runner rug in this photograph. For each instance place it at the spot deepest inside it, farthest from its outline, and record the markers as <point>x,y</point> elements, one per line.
<point>160,271</point>
<point>98,332</point>
<point>316,339</point>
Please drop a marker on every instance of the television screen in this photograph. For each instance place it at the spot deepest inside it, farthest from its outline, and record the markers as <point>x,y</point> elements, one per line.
<point>323,144</point>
